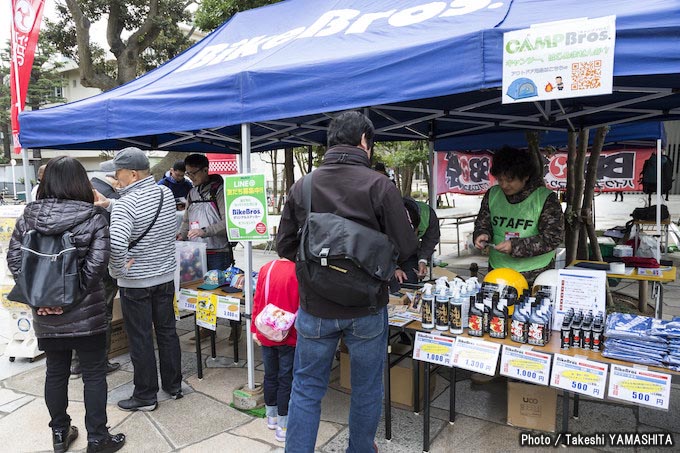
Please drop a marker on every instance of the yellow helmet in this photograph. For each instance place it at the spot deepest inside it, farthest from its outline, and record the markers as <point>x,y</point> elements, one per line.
<point>509,283</point>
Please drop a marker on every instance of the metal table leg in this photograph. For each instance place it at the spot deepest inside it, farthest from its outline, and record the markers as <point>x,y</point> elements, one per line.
<point>388,397</point>
<point>426,403</point>
<point>565,414</point>
<point>658,309</point>
<point>416,386</point>
<point>576,401</point>
<point>452,395</point>
<point>235,327</point>
<point>199,358</point>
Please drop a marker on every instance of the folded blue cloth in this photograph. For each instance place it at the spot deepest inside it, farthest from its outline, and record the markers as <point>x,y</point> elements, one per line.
<point>630,327</point>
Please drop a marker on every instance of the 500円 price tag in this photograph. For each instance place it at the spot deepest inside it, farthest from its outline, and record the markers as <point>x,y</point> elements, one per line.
<point>579,375</point>
<point>476,355</point>
<point>525,365</point>
<point>435,349</point>
<point>648,388</point>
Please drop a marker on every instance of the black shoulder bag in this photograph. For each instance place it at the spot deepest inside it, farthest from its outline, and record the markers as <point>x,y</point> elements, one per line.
<point>132,244</point>
<point>342,260</point>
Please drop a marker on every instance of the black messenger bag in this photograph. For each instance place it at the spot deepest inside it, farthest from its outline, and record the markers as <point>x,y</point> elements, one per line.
<point>342,260</point>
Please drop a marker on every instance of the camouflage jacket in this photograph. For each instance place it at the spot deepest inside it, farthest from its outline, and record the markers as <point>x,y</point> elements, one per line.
<point>550,224</point>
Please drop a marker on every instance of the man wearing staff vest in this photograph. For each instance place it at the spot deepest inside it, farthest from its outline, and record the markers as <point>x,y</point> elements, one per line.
<point>520,219</point>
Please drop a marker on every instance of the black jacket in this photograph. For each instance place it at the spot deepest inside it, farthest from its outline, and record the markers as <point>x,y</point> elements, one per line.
<point>91,235</point>
<point>346,185</point>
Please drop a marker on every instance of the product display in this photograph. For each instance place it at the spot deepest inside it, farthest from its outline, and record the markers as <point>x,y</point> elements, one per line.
<point>644,340</point>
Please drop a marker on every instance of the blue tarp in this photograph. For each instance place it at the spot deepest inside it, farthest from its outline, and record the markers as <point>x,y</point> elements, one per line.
<point>298,59</point>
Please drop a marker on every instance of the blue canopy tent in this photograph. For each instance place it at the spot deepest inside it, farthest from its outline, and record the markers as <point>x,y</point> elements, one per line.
<point>421,70</point>
<point>272,77</point>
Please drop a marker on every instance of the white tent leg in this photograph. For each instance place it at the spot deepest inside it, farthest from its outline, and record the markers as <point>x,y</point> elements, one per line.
<point>248,289</point>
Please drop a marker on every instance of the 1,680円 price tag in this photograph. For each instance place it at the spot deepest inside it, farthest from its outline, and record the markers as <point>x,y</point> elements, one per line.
<point>435,349</point>
<point>476,355</point>
<point>639,386</point>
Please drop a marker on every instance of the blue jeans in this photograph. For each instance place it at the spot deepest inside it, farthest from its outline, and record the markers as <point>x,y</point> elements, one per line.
<point>144,308</point>
<point>366,339</point>
<point>278,378</point>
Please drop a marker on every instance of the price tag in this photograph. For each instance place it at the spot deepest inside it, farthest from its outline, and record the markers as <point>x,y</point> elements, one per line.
<point>525,365</point>
<point>432,348</point>
<point>644,387</point>
<point>476,355</point>
<point>579,375</point>
<point>228,308</point>
<point>175,307</point>
<point>187,299</point>
<point>206,310</point>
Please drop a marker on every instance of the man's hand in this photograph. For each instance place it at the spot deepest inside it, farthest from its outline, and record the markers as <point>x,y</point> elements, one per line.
<point>482,241</point>
<point>256,340</point>
<point>100,200</point>
<point>422,270</point>
<point>129,264</point>
<point>195,233</point>
<point>504,247</point>
<point>400,275</point>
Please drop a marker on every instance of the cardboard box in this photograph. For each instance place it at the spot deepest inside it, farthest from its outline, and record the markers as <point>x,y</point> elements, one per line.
<point>401,381</point>
<point>117,312</point>
<point>400,298</point>
<point>532,406</point>
<point>119,339</point>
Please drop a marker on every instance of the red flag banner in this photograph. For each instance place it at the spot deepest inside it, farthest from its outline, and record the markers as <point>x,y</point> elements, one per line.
<point>470,173</point>
<point>26,17</point>
<point>222,164</point>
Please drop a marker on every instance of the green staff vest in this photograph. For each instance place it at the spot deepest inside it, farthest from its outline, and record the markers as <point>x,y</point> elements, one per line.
<point>516,220</point>
<point>424,218</point>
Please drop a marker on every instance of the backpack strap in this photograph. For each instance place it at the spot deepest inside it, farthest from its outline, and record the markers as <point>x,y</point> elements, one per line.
<point>307,192</point>
<point>266,283</point>
<point>132,244</point>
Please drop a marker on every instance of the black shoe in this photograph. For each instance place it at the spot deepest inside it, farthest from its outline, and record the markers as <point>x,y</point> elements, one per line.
<point>111,443</point>
<point>62,438</point>
<point>112,366</point>
<point>177,394</point>
<point>133,404</point>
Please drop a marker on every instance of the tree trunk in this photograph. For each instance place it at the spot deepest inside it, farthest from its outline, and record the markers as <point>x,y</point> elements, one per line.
<point>591,180</point>
<point>576,241</point>
<point>532,138</point>
<point>406,181</point>
<point>275,177</point>
<point>289,168</point>
<point>6,142</point>
<point>166,163</point>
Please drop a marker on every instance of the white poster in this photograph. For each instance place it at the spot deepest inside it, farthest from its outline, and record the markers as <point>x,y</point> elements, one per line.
<point>558,60</point>
<point>580,290</point>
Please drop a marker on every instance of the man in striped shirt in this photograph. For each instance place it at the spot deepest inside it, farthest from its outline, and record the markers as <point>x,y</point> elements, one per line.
<point>143,260</point>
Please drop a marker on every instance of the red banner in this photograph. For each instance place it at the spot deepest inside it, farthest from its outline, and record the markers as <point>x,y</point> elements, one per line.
<point>26,17</point>
<point>470,173</point>
<point>222,164</point>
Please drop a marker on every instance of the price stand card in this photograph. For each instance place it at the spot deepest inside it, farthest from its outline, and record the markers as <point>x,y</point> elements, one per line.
<point>175,307</point>
<point>432,348</point>
<point>228,308</point>
<point>525,364</point>
<point>206,310</point>
<point>187,299</point>
<point>579,375</point>
<point>476,355</point>
<point>645,387</point>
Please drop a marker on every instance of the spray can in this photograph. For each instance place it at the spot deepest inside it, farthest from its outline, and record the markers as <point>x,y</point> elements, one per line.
<point>596,342</point>
<point>441,310</point>
<point>486,315</point>
<point>427,307</point>
<point>517,326</point>
<point>475,319</point>
<point>456,313</point>
<point>498,326</point>
<point>565,334</point>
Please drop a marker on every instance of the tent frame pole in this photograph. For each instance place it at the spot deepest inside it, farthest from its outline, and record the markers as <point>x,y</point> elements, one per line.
<point>248,289</point>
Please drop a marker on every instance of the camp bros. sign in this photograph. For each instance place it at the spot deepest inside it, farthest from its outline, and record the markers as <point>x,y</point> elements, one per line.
<point>346,21</point>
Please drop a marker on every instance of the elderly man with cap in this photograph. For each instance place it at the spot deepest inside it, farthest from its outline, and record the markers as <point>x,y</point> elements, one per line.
<point>143,261</point>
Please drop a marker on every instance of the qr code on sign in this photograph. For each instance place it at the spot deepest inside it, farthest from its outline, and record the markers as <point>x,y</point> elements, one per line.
<point>586,75</point>
<point>234,232</point>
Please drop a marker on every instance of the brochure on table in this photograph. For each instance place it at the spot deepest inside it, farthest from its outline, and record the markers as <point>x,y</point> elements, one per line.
<point>581,290</point>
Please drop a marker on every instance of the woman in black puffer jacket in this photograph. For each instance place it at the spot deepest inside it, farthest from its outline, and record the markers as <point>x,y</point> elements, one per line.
<point>65,203</point>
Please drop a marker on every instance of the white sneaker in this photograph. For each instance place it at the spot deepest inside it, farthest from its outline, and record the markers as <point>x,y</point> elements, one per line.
<point>271,423</point>
<point>280,434</point>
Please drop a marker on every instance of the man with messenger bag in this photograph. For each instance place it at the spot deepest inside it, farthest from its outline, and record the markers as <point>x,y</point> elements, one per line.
<point>346,228</point>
